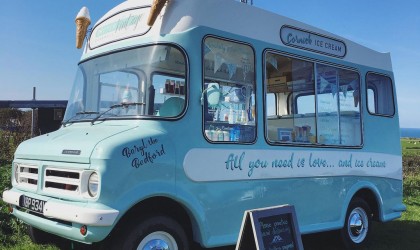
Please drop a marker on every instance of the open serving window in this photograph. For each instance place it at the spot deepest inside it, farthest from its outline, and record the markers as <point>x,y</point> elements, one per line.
<point>311,103</point>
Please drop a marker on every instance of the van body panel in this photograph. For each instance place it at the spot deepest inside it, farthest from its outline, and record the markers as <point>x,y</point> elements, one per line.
<point>140,152</point>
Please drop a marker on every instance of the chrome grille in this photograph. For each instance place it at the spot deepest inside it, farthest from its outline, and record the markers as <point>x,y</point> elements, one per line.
<point>53,180</point>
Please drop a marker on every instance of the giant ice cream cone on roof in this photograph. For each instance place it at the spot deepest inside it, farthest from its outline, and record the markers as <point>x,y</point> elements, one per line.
<point>82,23</point>
<point>155,10</point>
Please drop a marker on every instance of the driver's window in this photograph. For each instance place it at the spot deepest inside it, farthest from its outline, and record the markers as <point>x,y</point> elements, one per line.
<point>169,98</point>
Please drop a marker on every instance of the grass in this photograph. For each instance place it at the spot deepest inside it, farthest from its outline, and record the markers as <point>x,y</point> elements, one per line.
<point>403,233</point>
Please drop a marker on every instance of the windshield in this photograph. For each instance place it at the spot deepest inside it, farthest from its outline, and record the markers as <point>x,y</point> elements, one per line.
<point>148,81</point>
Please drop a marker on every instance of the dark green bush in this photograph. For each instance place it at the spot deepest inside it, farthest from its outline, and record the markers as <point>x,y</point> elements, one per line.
<point>11,230</point>
<point>15,127</point>
<point>411,165</point>
<point>412,186</point>
<point>411,173</point>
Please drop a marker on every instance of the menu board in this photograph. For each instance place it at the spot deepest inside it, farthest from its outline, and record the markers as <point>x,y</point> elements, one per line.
<point>273,228</point>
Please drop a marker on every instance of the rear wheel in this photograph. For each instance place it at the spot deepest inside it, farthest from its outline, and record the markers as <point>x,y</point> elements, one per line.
<point>358,225</point>
<point>157,232</point>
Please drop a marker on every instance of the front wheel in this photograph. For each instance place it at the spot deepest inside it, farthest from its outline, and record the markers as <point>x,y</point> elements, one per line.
<point>157,232</point>
<point>357,228</point>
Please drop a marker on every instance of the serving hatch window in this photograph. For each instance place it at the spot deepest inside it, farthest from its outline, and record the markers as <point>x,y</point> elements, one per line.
<point>229,91</point>
<point>129,84</point>
<point>315,103</point>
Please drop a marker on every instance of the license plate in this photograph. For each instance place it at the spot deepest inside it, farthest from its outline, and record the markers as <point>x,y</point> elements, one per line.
<point>32,204</point>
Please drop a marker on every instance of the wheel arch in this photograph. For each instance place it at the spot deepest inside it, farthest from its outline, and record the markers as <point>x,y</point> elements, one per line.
<point>369,193</point>
<point>371,198</point>
<point>160,205</point>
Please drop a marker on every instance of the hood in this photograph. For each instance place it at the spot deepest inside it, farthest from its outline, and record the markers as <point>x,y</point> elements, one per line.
<point>73,143</point>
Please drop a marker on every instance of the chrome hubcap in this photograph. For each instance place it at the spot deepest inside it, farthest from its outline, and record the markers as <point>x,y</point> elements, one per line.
<point>158,241</point>
<point>358,225</point>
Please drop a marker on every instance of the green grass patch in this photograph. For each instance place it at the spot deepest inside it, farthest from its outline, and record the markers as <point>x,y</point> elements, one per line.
<point>403,233</point>
<point>410,146</point>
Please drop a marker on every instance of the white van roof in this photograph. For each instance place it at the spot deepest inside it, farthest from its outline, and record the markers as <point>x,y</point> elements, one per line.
<point>245,20</point>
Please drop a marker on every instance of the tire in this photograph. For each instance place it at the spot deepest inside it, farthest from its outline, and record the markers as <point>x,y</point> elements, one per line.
<point>358,225</point>
<point>159,231</point>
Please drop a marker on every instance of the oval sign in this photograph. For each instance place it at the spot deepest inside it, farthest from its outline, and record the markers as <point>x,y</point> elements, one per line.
<point>123,25</point>
<point>306,40</point>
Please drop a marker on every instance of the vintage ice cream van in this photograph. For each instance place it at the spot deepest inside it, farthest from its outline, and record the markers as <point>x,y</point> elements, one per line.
<point>176,126</point>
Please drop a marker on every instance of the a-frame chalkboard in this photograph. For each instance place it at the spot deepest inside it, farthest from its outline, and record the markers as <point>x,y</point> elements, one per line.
<point>270,228</point>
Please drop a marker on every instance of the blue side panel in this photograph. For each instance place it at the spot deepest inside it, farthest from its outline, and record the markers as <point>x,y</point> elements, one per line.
<point>320,203</point>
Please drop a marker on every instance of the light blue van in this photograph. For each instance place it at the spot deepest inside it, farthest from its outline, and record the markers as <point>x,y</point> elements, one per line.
<point>173,130</point>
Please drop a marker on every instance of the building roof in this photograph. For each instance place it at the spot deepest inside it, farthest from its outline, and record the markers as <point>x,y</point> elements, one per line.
<point>33,104</point>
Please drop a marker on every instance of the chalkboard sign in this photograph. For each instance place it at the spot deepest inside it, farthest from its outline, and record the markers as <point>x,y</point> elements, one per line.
<point>272,228</point>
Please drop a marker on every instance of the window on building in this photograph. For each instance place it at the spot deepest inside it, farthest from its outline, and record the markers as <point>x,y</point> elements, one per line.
<point>229,91</point>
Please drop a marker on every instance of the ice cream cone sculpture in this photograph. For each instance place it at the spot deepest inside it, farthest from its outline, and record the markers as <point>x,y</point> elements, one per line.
<point>155,10</point>
<point>82,23</point>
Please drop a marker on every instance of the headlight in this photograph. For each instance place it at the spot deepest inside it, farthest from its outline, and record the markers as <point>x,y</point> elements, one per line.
<point>93,184</point>
<point>16,173</point>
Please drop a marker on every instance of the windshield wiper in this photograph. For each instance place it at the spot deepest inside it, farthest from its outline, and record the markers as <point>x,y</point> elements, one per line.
<point>121,105</point>
<point>77,114</point>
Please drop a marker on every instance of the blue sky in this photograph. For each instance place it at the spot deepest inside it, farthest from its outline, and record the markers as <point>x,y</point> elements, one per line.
<point>38,41</point>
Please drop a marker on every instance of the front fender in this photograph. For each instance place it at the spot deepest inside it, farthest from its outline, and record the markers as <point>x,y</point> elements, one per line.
<point>133,161</point>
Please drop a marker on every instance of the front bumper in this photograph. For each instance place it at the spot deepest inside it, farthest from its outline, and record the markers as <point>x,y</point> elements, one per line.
<point>97,217</point>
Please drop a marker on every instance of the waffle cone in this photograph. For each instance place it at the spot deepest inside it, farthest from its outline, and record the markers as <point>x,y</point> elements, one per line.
<point>155,10</point>
<point>82,23</point>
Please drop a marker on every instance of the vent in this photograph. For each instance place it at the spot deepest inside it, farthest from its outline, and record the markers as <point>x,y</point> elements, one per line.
<point>62,181</point>
<point>27,175</point>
